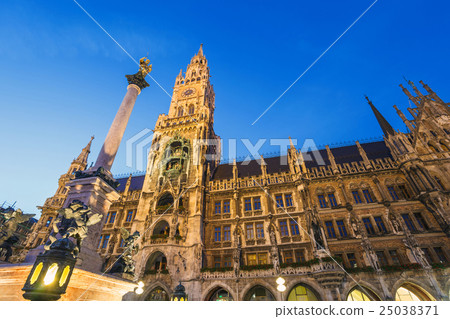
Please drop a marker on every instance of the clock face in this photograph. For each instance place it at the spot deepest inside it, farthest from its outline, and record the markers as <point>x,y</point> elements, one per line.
<point>187,92</point>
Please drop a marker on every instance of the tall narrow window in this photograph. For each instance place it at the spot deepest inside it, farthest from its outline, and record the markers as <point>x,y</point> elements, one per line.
<point>191,109</point>
<point>288,200</point>
<point>404,191</point>
<point>226,233</point>
<point>257,203</point>
<point>283,228</point>
<point>129,216</point>
<point>288,258</point>
<point>369,226</point>
<point>352,260</point>
<point>247,204</point>
<point>180,111</point>
<point>421,221</point>
<point>380,224</point>
<point>300,256</point>
<point>356,197</point>
<point>105,241</point>
<point>322,201</point>
<point>367,196</point>
<point>49,221</point>
<point>122,243</point>
<point>427,254</point>
<point>226,207</point>
<point>440,253</point>
<point>341,228</point>
<point>227,261</point>
<point>217,207</point>
<point>279,200</point>
<point>99,242</point>
<point>262,258</point>
<point>330,229</point>
<point>251,259</point>
<point>112,218</point>
<point>381,258</point>
<point>217,263</point>
<point>393,193</point>
<point>259,230</point>
<point>294,227</point>
<point>332,199</point>
<point>249,229</point>
<point>394,257</point>
<point>217,234</point>
<point>409,223</point>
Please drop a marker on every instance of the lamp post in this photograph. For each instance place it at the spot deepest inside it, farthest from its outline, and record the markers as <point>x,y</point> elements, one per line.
<point>179,293</point>
<point>51,272</point>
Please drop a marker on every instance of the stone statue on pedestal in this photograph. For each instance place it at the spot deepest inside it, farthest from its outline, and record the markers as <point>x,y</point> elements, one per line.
<point>13,219</point>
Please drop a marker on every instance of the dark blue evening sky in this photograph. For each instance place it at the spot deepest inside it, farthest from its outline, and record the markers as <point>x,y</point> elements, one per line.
<point>62,78</point>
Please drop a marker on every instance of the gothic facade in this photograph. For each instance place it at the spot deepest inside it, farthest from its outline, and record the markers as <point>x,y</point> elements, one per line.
<point>369,223</point>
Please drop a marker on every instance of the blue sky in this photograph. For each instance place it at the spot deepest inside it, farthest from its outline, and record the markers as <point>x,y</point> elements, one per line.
<point>62,78</point>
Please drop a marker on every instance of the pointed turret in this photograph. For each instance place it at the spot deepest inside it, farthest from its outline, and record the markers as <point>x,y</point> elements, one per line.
<point>235,170</point>
<point>363,154</point>
<point>384,124</point>
<point>179,80</point>
<point>404,119</point>
<point>83,157</point>
<point>263,167</point>
<point>332,160</point>
<point>200,51</point>
<point>127,186</point>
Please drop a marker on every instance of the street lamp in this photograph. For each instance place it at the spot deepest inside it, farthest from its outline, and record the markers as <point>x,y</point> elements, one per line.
<point>51,272</point>
<point>179,293</point>
<point>140,288</point>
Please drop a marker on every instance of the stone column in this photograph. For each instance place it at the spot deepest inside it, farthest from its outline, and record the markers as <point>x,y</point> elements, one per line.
<point>108,152</point>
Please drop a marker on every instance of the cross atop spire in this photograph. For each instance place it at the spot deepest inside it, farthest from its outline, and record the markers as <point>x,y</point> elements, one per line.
<point>384,124</point>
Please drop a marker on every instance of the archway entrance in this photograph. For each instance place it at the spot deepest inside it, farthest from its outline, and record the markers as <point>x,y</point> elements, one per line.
<point>362,294</point>
<point>411,292</point>
<point>302,293</point>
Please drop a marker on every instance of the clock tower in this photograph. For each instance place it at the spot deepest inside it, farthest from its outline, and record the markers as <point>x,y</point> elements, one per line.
<point>184,150</point>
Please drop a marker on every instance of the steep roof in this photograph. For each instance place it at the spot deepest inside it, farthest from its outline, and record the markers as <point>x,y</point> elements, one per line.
<point>344,154</point>
<point>136,183</point>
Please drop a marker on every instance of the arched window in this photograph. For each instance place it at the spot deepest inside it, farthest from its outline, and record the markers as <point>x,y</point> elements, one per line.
<point>162,228</point>
<point>411,292</point>
<point>444,147</point>
<point>180,112</point>
<point>191,109</point>
<point>362,294</point>
<point>302,293</point>
<point>259,293</point>
<point>156,262</point>
<point>165,200</point>
<point>158,294</point>
<point>220,294</point>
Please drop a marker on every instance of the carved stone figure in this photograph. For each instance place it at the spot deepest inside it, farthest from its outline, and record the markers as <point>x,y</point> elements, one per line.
<point>371,255</point>
<point>13,219</point>
<point>411,243</point>
<point>237,254</point>
<point>73,222</point>
<point>125,263</point>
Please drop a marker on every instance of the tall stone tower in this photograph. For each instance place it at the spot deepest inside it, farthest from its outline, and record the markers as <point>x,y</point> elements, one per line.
<point>184,149</point>
<point>52,204</point>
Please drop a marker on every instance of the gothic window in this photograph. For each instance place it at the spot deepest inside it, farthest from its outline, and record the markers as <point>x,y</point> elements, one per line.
<point>288,257</point>
<point>251,259</point>
<point>112,218</point>
<point>341,228</point>
<point>249,231</point>
<point>367,196</point>
<point>404,191</point>
<point>421,221</point>
<point>105,241</point>
<point>294,227</point>
<point>394,257</point>
<point>259,230</point>
<point>393,193</point>
<point>332,199</point>
<point>256,203</point>
<point>440,254</point>
<point>409,223</point>
<point>191,109</point>
<point>227,261</point>
<point>369,226</point>
<point>330,229</point>
<point>283,228</point>
<point>247,204</point>
<point>217,207</point>
<point>220,295</point>
<point>226,207</point>
<point>217,234</point>
<point>129,216</point>
<point>279,200</point>
<point>444,147</point>
<point>300,256</point>
<point>364,294</point>
<point>262,258</point>
<point>356,197</point>
<point>288,200</point>
<point>302,293</point>
<point>381,258</point>
<point>380,224</point>
<point>180,112</point>
<point>259,293</point>
<point>156,262</point>
<point>161,229</point>
<point>226,233</point>
<point>49,221</point>
<point>99,242</point>
<point>217,262</point>
<point>352,260</point>
<point>322,201</point>
<point>411,292</point>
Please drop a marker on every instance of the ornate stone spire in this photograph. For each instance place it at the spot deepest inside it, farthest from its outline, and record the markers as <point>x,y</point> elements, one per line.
<point>200,50</point>
<point>83,157</point>
<point>332,160</point>
<point>384,124</point>
<point>235,170</point>
<point>363,155</point>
